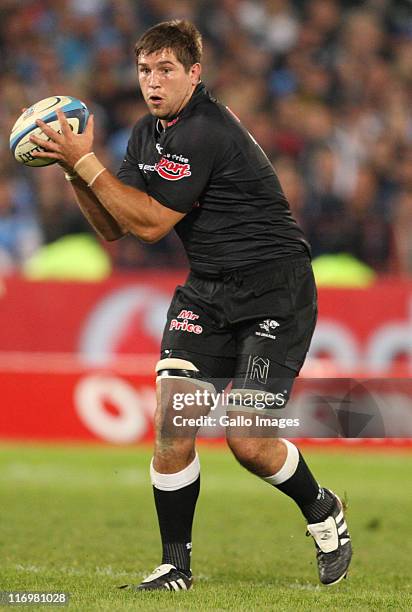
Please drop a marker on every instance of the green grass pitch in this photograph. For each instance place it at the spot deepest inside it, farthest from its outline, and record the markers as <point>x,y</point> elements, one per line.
<point>81,520</point>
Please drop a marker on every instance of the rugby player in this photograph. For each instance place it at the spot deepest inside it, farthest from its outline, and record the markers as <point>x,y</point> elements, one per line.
<point>190,165</point>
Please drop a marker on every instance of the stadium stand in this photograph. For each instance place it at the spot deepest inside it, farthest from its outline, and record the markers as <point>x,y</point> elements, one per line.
<point>324,86</point>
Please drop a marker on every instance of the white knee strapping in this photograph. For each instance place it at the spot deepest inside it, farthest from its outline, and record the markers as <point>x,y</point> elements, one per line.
<point>174,363</point>
<point>171,363</point>
<point>178,480</point>
<point>288,468</point>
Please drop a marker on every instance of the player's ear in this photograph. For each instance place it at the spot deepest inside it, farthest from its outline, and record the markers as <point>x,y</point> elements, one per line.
<point>195,73</point>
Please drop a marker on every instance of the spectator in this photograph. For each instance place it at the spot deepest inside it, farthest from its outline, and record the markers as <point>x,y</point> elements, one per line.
<point>19,232</point>
<point>403,231</point>
<point>324,86</point>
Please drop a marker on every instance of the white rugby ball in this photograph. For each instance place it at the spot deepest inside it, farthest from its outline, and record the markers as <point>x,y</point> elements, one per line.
<point>76,113</point>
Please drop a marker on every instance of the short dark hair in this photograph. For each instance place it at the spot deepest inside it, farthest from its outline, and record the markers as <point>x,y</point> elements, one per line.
<point>178,35</point>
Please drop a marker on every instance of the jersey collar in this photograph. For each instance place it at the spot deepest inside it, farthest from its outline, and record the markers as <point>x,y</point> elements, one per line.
<point>198,94</point>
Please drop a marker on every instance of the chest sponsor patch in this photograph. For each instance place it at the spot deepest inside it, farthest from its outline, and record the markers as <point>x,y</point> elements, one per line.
<point>172,170</point>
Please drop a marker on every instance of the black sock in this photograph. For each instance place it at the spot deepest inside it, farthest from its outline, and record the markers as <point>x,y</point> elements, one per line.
<point>175,510</point>
<point>315,502</point>
<point>320,509</point>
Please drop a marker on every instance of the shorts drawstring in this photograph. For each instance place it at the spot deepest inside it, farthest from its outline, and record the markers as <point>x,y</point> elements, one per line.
<point>236,276</point>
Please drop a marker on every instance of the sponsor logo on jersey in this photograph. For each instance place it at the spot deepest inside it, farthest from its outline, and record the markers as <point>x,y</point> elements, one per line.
<point>172,170</point>
<point>184,325</point>
<point>268,325</point>
<point>147,167</point>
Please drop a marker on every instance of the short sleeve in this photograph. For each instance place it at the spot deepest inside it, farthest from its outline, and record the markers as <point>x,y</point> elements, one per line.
<point>184,168</point>
<point>129,172</point>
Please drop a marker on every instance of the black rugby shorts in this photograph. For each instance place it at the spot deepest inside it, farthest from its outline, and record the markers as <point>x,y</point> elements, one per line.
<point>252,325</point>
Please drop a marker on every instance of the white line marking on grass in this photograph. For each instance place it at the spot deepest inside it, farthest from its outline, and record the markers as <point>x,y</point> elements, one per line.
<point>202,577</point>
<point>305,587</point>
<point>73,571</point>
<point>32,569</point>
<point>49,474</point>
<point>109,571</point>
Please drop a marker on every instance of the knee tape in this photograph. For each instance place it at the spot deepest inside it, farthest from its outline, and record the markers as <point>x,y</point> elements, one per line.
<point>173,367</point>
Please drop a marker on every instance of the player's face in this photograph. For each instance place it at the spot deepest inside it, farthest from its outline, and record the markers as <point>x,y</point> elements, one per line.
<point>165,84</point>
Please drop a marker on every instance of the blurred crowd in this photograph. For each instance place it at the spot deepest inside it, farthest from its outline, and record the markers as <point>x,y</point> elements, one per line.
<point>325,86</point>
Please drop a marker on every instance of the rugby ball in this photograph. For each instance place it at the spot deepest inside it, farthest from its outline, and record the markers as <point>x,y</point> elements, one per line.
<point>76,113</point>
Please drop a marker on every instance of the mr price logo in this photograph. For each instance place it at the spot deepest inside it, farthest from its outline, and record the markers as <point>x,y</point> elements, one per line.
<point>172,170</point>
<point>184,325</point>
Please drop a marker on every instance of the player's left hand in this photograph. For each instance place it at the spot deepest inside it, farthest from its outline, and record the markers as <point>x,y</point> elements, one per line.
<point>64,146</point>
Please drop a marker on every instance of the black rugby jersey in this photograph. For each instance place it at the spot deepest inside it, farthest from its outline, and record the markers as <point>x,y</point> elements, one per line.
<point>206,164</point>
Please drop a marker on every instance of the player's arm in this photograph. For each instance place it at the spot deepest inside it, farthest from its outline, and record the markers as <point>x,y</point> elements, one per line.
<point>132,210</point>
<point>114,209</point>
<point>101,220</point>
<point>135,210</point>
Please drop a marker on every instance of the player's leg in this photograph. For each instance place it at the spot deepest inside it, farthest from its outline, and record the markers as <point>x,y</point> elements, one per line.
<point>175,471</point>
<point>195,352</point>
<point>263,453</point>
<point>281,464</point>
<point>271,353</point>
